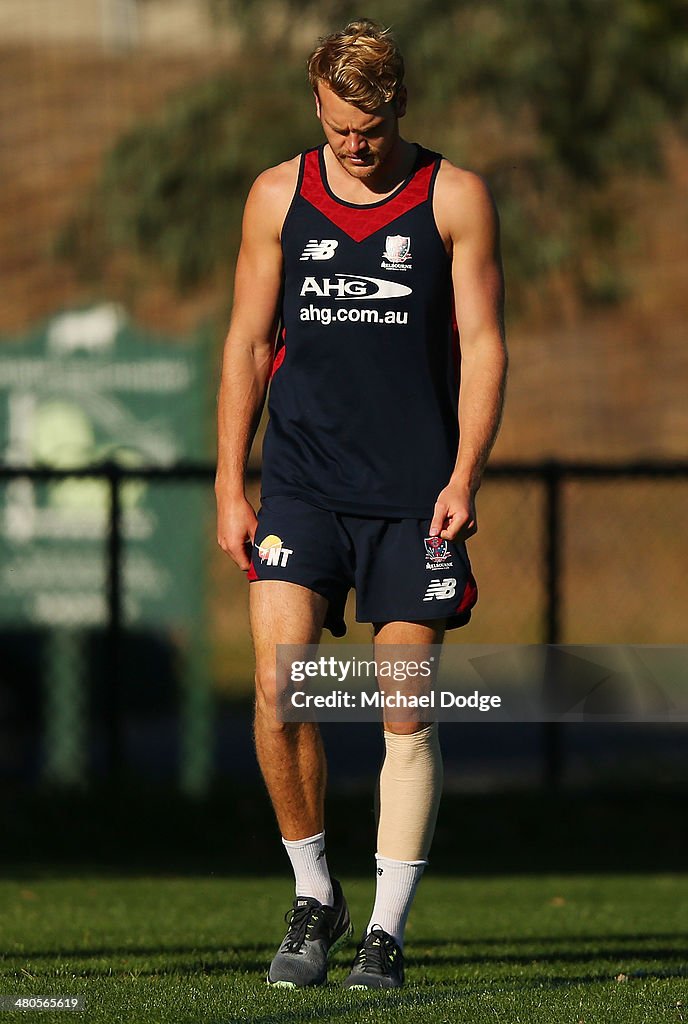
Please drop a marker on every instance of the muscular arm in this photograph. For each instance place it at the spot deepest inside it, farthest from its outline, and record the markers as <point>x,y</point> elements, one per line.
<point>247,357</point>
<point>468,219</point>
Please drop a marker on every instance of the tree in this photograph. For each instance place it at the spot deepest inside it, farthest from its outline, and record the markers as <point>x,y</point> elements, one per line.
<point>550,101</point>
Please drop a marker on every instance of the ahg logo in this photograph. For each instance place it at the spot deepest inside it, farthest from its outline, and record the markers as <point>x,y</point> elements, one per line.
<point>350,286</point>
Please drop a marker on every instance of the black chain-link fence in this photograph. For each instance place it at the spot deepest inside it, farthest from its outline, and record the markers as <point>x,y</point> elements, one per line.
<point>116,654</point>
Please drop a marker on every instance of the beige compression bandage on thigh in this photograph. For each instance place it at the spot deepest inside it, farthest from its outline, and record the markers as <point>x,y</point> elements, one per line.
<point>409,793</point>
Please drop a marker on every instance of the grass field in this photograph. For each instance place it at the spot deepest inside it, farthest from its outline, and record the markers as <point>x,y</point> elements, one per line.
<point>550,949</point>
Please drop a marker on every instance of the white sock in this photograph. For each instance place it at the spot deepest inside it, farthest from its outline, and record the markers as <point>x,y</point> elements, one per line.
<point>394,892</point>
<point>309,862</point>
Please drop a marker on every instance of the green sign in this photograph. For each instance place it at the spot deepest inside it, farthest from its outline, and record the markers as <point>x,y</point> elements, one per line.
<point>88,388</point>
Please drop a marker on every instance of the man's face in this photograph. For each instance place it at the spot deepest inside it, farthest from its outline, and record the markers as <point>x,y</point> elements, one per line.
<point>360,141</point>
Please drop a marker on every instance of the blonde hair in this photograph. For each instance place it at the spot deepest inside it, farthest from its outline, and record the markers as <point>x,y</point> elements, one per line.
<point>361,64</point>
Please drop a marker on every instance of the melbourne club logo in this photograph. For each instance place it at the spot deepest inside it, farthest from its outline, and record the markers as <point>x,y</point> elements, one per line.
<point>436,548</point>
<point>319,250</point>
<point>436,551</point>
<point>440,590</point>
<point>272,552</point>
<point>397,253</point>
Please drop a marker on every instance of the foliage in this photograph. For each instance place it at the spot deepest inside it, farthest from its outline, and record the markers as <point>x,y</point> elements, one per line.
<point>551,102</point>
<point>172,190</point>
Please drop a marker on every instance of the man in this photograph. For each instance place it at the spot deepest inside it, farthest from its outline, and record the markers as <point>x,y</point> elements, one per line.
<point>362,264</point>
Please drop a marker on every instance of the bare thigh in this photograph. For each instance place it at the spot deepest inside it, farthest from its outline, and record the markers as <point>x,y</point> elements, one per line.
<point>282,613</point>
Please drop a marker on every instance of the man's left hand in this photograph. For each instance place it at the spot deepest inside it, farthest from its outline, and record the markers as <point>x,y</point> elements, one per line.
<point>454,517</point>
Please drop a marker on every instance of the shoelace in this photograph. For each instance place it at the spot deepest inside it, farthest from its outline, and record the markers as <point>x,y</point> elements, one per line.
<point>301,920</point>
<point>377,953</point>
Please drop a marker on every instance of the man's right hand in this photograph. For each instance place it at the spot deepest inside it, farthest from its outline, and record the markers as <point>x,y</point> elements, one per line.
<point>236,529</point>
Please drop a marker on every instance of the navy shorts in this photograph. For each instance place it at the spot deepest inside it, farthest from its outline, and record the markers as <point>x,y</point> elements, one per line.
<point>398,572</point>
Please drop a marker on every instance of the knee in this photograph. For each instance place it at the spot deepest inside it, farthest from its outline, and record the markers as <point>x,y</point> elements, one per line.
<point>266,697</point>
<point>267,706</point>
<point>266,688</point>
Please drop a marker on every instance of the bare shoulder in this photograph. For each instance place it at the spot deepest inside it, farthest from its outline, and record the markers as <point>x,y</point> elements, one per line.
<point>463,203</point>
<point>278,181</point>
<point>272,192</point>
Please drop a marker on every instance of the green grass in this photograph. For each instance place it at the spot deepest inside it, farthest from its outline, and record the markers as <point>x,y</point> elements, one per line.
<point>515,949</point>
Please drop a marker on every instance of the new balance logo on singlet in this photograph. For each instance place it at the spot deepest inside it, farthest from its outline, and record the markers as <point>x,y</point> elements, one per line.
<point>323,250</point>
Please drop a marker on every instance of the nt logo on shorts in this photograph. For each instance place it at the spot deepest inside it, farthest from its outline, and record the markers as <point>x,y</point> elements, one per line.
<point>271,551</point>
<point>319,250</point>
<point>440,589</point>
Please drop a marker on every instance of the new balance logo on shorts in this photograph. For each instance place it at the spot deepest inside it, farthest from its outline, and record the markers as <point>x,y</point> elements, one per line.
<point>440,589</point>
<point>319,250</point>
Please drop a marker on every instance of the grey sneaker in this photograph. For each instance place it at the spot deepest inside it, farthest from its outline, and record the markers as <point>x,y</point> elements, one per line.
<point>314,932</point>
<point>379,962</point>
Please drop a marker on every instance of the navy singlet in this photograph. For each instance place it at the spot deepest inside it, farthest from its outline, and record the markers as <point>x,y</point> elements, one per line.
<point>363,397</point>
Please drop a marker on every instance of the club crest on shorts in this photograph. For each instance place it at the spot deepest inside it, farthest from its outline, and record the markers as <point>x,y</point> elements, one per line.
<point>397,253</point>
<point>436,552</point>
<point>272,552</point>
<point>436,548</point>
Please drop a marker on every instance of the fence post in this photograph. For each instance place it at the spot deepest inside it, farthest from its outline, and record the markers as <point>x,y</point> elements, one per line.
<point>113,638</point>
<point>197,718</point>
<point>552,738</point>
<point>64,708</point>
